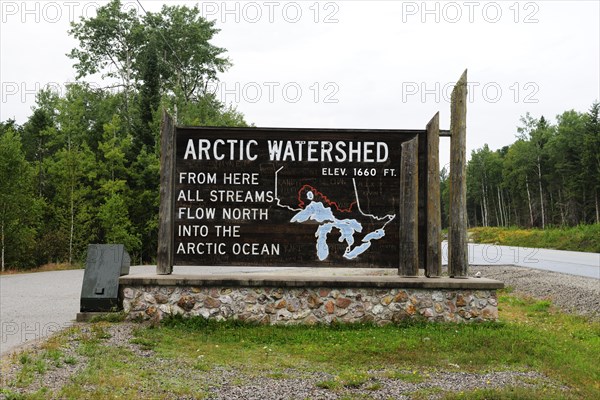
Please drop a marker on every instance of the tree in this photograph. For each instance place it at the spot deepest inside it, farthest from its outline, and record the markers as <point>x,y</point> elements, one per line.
<point>18,212</point>
<point>590,155</point>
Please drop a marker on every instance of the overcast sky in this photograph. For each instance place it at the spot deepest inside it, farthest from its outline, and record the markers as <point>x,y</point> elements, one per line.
<point>354,64</point>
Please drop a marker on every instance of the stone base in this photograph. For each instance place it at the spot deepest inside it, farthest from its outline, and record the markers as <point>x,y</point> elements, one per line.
<point>285,299</point>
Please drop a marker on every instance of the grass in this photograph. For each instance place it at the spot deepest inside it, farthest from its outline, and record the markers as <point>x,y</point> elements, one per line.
<point>532,335</point>
<point>579,238</point>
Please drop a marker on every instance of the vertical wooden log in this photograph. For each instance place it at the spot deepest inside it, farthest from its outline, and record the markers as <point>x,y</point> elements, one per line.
<point>433,258</point>
<point>409,187</point>
<point>166,223</point>
<point>457,232</point>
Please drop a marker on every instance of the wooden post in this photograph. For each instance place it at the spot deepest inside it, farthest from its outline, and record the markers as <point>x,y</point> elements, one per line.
<point>433,257</point>
<point>409,187</point>
<point>164,257</point>
<point>457,233</point>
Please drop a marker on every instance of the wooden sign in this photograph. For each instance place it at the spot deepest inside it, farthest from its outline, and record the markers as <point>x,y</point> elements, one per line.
<point>312,197</point>
<point>287,197</point>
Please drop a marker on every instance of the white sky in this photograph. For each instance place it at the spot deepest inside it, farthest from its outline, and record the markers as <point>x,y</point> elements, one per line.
<point>354,64</point>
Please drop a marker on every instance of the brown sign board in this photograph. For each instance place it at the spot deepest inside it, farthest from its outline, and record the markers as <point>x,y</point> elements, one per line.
<point>287,197</point>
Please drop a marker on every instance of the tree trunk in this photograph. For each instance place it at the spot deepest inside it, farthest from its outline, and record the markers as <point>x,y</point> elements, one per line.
<point>539,165</point>
<point>500,212</point>
<point>529,201</point>
<point>597,209</point>
<point>561,209</point>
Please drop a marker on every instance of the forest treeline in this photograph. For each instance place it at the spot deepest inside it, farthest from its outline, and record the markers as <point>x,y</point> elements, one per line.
<point>550,176</point>
<point>84,167</point>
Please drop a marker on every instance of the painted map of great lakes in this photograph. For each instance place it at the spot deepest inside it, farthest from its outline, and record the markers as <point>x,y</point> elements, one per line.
<point>314,206</point>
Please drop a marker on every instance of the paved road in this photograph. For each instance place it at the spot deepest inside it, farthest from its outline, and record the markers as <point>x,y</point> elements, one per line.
<point>567,262</point>
<point>35,305</point>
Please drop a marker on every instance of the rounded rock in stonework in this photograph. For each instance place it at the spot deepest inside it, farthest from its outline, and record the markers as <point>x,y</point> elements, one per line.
<point>293,305</point>
<point>450,295</point>
<point>277,294</point>
<point>148,298</point>
<point>200,297</point>
<point>340,312</point>
<point>335,294</point>
<point>226,291</point>
<point>410,309</point>
<point>281,304</point>
<point>126,306</point>
<point>196,289</point>
<point>426,302</point>
<point>302,314</point>
<point>474,312</point>
<point>138,305</point>
<point>186,302</point>
<point>214,292</point>
<point>151,311</point>
<point>464,314</point>
<point>311,320</point>
<point>212,302</point>
<point>460,300</point>
<point>492,302</point>
<point>378,309</point>
<point>329,307</point>
<point>314,301</point>
<point>225,299</point>
<point>437,296</point>
<point>262,298</point>
<point>343,302</point>
<point>161,298</point>
<point>250,299</point>
<point>427,312</point>
<point>270,308</point>
<point>128,293</point>
<point>165,308</point>
<point>401,297</point>
<point>451,306</point>
<point>283,315</point>
<point>386,300</point>
<point>439,308</point>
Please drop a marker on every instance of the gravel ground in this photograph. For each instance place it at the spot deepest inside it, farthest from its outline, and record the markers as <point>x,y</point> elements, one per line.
<point>571,293</point>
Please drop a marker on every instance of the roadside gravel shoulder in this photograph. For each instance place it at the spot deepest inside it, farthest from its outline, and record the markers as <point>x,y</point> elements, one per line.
<point>571,293</point>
